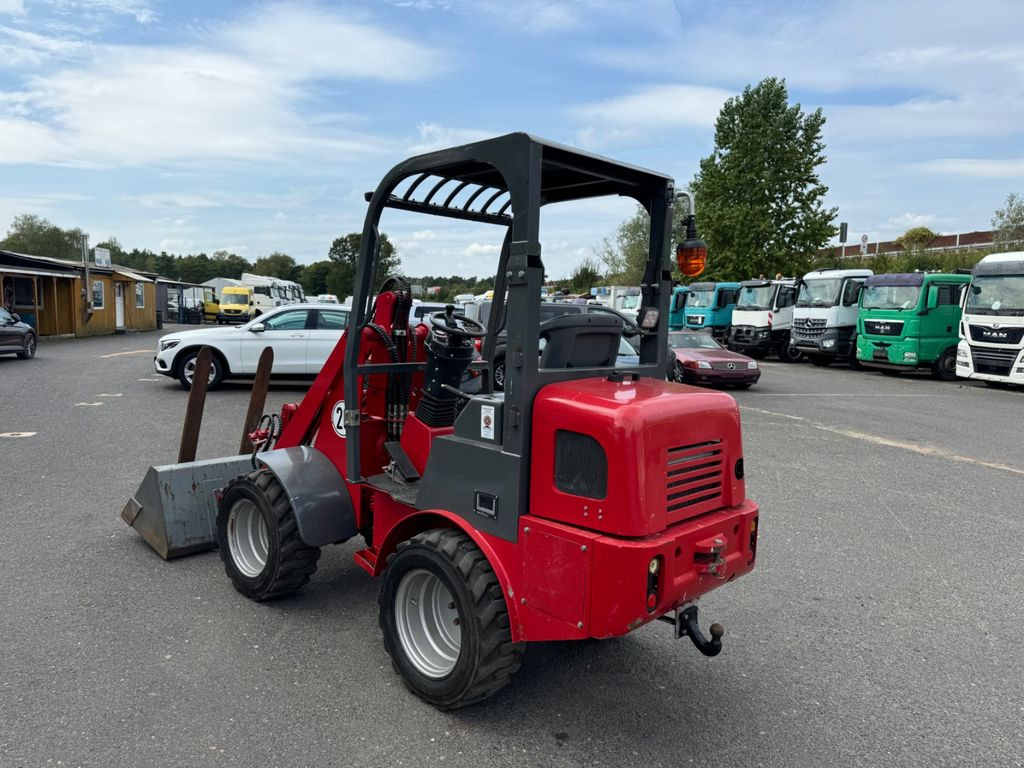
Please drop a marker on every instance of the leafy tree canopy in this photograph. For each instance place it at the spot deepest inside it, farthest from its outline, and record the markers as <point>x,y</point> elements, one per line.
<point>1008,223</point>
<point>759,199</point>
<point>36,236</point>
<point>344,251</point>
<point>277,264</point>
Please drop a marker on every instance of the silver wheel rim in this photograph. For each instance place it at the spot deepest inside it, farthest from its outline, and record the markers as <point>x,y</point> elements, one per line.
<point>248,541</point>
<point>427,623</point>
<point>30,349</point>
<point>499,375</point>
<point>190,370</point>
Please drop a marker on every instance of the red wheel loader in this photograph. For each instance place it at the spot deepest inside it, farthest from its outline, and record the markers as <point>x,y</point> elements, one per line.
<point>583,501</point>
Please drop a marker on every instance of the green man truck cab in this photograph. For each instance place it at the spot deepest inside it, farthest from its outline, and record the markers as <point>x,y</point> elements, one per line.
<point>910,321</point>
<point>709,307</point>
<point>991,345</point>
<point>825,317</point>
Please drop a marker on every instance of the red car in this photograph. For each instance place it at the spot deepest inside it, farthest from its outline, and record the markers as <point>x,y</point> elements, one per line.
<point>702,360</point>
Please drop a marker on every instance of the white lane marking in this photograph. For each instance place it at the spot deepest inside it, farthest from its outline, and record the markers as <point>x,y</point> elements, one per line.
<point>923,450</point>
<point>149,379</point>
<point>131,352</point>
<point>104,394</point>
<point>17,434</point>
<point>88,404</point>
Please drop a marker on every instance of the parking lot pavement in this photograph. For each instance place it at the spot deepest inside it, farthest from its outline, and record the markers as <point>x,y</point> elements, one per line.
<point>881,626</point>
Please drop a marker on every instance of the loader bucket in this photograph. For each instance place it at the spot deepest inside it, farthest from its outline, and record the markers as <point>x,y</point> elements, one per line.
<point>175,507</point>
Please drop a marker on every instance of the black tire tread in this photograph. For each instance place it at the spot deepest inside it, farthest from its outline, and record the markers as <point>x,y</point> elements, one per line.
<point>499,658</point>
<point>297,562</point>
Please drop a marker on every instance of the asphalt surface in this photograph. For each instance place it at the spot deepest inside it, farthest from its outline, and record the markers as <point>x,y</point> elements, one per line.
<point>882,625</point>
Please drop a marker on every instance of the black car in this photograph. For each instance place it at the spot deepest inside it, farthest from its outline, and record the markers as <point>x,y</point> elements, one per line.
<point>16,337</point>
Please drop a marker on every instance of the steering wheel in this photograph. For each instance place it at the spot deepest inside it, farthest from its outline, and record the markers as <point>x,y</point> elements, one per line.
<point>457,326</point>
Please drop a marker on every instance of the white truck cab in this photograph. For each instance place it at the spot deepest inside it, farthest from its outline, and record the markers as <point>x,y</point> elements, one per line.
<point>991,346</point>
<point>763,317</point>
<point>825,316</point>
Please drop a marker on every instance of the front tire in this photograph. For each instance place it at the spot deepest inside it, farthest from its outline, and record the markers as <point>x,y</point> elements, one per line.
<point>789,353</point>
<point>30,347</point>
<point>187,369</point>
<point>445,622</point>
<point>259,541</point>
<point>945,367</point>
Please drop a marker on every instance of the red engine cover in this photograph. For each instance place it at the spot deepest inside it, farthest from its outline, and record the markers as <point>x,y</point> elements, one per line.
<point>670,450</point>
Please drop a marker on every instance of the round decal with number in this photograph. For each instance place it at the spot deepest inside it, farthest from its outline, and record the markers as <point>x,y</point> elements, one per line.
<point>338,418</point>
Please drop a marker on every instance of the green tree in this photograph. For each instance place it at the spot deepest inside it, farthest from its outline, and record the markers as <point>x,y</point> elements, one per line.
<point>231,265</point>
<point>277,264</point>
<point>313,277</point>
<point>759,199</point>
<point>917,238</point>
<point>344,251</point>
<point>586,275</point>
<point>36,236</point>
<point>1008,223</point>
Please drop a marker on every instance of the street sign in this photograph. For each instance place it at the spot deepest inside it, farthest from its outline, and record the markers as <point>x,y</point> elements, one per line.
<point>842,231</point>
<point>102,257</point>
<point>864,239</point>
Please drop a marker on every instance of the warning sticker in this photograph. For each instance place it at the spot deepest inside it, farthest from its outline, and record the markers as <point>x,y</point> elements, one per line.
<point>487,422</point>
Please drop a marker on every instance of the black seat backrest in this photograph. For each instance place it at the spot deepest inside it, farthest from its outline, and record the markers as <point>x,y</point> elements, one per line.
<point>580,341</point>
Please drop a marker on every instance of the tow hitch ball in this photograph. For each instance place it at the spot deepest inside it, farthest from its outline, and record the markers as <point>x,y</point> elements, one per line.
<point>685,621</point>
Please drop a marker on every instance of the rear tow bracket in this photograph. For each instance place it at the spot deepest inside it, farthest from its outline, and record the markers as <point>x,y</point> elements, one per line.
<point>685,622</point>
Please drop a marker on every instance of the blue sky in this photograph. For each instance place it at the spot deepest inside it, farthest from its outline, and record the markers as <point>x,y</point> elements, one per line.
<point>255,127</point>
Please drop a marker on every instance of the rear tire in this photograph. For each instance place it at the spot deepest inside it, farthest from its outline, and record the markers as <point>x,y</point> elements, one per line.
<point>259,541</point>
<point>945,367</point>
<point>445,622</point>
<point>30,347</point>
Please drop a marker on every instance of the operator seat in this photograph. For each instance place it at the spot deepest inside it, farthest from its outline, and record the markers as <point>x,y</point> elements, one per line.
<point>580,341</point>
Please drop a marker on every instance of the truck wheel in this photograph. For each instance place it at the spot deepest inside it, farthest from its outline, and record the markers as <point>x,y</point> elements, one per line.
<point>445,622</point>
<point>187,369</point>
<point>945,367</point>
<point>789,354</point>
<point>259,541</point>
<point>821,362</point>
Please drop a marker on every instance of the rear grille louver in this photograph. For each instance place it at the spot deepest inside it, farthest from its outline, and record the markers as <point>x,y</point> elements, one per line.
<point>694,476</point>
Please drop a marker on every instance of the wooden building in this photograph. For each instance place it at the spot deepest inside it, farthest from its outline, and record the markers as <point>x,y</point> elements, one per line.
<point>52,295</point>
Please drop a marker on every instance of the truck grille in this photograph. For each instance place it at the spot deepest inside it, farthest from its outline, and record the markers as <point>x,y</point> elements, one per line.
<point>990,360</point>
<point>884,327</point>
<point>695,319</point>
<point>808,328</point>
<point>990,334</point>
<point>743,333</point>
<point>693,479</point>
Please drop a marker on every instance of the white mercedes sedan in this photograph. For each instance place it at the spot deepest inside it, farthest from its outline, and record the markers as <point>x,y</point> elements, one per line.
<point>301,335</point>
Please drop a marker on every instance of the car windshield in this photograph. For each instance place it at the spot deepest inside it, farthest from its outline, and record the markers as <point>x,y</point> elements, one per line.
<point>890,296</point>
<point>631,302</point>
<point>701,298</point>
<point>227,297</point>
<point>996,295</point>
<point>759,297</point>
<point>692,341</point>
<point>819,292</point>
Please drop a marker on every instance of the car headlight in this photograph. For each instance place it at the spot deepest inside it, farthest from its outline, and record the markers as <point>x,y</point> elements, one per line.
<point>752,365</point>
<point>962,353</point>
<point>828,343</point>
<point>703,364</point>
<point>166,344</point>
<point>910,355</point>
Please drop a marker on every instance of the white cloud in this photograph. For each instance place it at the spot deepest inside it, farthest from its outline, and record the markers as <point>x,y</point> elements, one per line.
<point>176,244</point>
<point>660,105</point>
<point>994,168</point>
<point>433,136</point>
<point>13,7</point>
<point>477,250</point>
<point>239,96</point>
